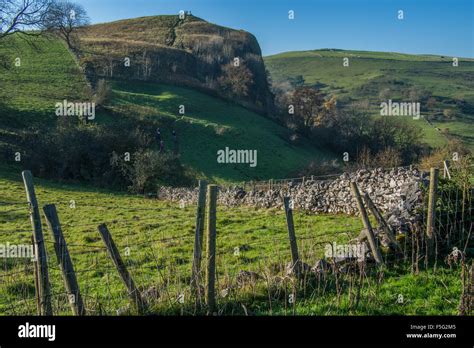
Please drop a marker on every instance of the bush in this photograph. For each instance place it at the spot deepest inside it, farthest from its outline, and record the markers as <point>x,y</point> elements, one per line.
<point>103,92</point>
<point>77,152</point>
<point>453,149</point>
<point>148,169</point>
<point>398,135</point>
<point>385,158</point>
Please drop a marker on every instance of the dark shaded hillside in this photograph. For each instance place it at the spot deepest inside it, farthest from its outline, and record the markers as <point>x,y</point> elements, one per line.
<point>187,52</point>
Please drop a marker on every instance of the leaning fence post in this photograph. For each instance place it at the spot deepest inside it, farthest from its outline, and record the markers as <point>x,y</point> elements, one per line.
<point>198,237</point>
<point>381,221</point>
<point>366,222</point>
<point>211,246</point>
<point>64,260</point>
<point>40,256</point>
<point>434,173</point>
<point>291,233</point>
<point>114,254</point>
<point>446,170</point>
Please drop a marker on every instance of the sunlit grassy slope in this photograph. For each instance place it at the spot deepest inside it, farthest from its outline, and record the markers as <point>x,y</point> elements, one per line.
<point>369,73</point>
<point>38,73</point>
<point>211,124</point>
<point>48,74</point>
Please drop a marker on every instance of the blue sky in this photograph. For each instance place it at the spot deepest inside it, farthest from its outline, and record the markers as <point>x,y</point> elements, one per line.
<point>430,26</point>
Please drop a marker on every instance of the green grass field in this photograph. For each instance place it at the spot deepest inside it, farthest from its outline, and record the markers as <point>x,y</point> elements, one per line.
<point>156,238</point>
<point>369,73</point>
<point>47,73</point>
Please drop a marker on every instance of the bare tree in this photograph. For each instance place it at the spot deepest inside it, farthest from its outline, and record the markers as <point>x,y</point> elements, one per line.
<point>23,16</point>
<point>65,17</point>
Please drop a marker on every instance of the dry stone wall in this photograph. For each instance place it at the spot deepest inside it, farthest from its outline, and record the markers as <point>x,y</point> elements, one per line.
<point>396,192</point>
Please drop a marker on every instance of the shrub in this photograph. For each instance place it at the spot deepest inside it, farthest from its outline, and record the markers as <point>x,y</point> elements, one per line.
<point>148,169</point>
<point>454,149</point>
<point>89,153</point>
<point>103,92</point>
<point>388,158</point>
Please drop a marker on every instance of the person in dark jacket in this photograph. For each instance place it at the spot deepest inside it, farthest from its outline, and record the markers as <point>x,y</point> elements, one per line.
<point>175,144</point>
<point>158,135</point>
<point>162,146</point>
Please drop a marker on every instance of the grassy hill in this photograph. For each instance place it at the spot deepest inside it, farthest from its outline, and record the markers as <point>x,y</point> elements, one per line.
<point>49,74</point>
<point>185,51</point>
<point>369,73</point>
<point>211,124</point>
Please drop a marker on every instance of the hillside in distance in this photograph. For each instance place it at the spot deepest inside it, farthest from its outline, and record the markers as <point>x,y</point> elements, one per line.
<point>185,51</point>
<point>446,92</point>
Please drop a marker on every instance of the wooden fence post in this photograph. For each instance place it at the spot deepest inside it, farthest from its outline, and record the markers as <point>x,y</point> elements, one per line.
<point>211,247</point>
<point>35,265</point>
<point>291,234</point>
<point>434,173</point>
<point>198,237</point>
<point>381,221</point>
<point>64,260</point>
<point>366,222</point>
<point>114,254</point>
<point>42,265</point>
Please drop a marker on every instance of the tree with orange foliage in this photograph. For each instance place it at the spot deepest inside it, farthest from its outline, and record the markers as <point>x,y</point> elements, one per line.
<point>307,103</point>
<point>235,80</point>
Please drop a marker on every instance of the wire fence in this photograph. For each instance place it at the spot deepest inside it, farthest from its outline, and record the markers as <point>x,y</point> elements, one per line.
<point>156,244</point>
<point>159,260</point>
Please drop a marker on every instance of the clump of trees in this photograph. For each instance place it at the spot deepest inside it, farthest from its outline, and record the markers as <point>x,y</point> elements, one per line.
<point>371,141</point>
<point>308,104</point>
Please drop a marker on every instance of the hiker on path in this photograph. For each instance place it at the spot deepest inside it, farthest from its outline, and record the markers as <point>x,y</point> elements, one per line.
<point>162,146</point>
<point>158,135</point>
<point>175,144</point>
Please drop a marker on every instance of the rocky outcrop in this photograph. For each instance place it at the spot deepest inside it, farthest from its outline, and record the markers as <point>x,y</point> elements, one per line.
<point>184,51</point>
<point>396,192</point>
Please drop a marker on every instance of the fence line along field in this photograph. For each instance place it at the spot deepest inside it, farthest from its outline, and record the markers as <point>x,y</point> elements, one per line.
<point>132,255</point>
